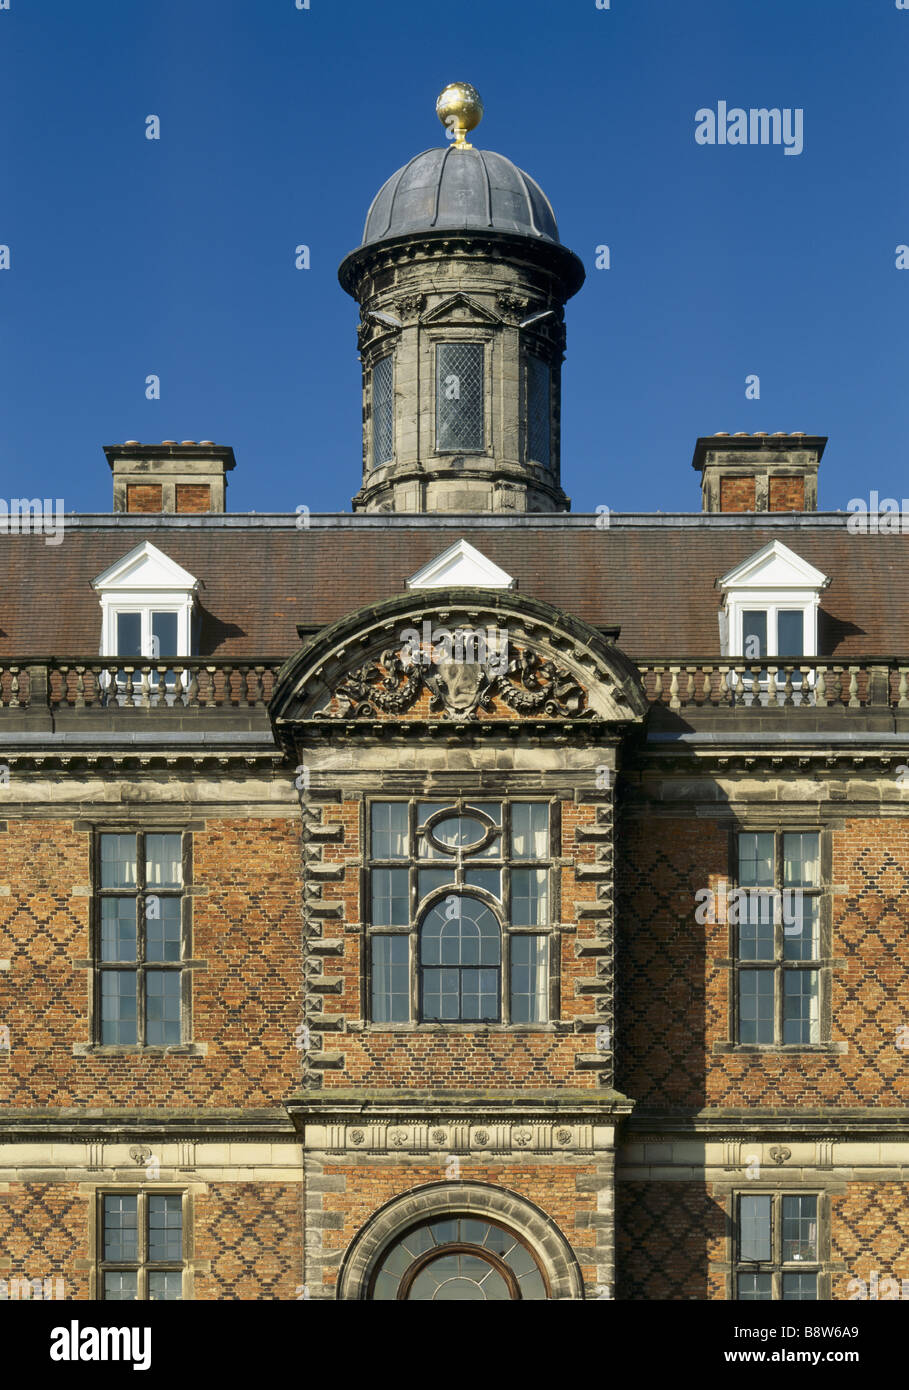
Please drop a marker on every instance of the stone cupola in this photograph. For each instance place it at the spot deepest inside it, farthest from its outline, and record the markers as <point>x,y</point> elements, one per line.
<point>461,281</point>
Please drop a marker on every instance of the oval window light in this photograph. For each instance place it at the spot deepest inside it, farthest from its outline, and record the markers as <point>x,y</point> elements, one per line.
<point>458,832</point>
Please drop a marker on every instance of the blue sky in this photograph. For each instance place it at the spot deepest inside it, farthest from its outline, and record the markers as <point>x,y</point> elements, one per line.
<point>175,257</point>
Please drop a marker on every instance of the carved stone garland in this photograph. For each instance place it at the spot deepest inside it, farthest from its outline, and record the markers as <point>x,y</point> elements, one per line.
<point>531,685</point>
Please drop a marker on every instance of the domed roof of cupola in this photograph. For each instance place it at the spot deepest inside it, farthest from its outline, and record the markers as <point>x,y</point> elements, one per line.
<point>459,188</point>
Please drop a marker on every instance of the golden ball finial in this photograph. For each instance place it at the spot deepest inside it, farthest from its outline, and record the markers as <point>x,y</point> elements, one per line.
<point>460,110</point>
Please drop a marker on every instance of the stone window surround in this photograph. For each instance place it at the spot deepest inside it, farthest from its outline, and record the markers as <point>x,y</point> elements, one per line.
<point>433,337</point>
<point>826,961</point>
<point>552,932</point>
<point>471,1199</point>
<point>96,1230</point>
<point>371,462</point>
<point>526,355</point>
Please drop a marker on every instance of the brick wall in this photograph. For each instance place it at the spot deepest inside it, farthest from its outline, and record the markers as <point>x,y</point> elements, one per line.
<point>667,1236</point>
<point>737,494</point>
<point>787,494</point>
<point>253,1235</point>
<point>193,497</point>
<point>246,1003</point>
<point>674,1006</point>
<point>559,1189</point>
<point>143,497</point>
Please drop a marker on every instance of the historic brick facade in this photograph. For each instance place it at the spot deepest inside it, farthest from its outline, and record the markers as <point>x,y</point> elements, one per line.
<point>461,899</point>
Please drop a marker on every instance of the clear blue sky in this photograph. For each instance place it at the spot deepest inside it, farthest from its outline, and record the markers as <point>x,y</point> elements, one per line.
<point>175,257</point>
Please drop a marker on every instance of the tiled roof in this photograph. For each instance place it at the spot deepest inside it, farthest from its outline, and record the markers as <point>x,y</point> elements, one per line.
<point>260,577</point>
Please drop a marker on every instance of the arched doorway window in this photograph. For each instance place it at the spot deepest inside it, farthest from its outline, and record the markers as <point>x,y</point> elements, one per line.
<point>458,1259</point>
<point>460,962</point>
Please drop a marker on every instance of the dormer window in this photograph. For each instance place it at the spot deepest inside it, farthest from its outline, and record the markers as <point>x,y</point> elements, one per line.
<point>771,606</point>
<point>146,606</point>
<point>459,398</point>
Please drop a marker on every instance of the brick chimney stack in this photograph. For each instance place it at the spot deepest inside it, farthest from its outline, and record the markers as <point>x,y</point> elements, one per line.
<point>759,472</point>
<point>170,477</point>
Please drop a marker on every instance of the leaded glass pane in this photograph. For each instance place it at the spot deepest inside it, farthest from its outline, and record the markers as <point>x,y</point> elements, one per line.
<point>801,1018</point>
<point>164,861</point>
<point>165,1286</point>
<point>118,1006</point>
<point>539,411</point>
<point>459,396</point>
<point>118,861</point>
<point>800,859</point>
<point>799,1287</point>
<point>165,1229</point>
<point>490,879</point>
<point>529,979</point>
<point>162,1006</point>
<point>756,1006</point>
<point>390,898</point>
<point>529,897</point>
<point>121,1230</point>
<point>801,925</point>
<point>389,829</point>
<point>755,913</point>
<point>120,1285</point>
<point>753,1288</point>
<point>118,929</point>
<point>530,830</point>
<point>756,860</point>
<point>383,415</point>
<point>799,1229</point>
<point>390,979</point>
<point>162,928</point>
<point>754,1228</point>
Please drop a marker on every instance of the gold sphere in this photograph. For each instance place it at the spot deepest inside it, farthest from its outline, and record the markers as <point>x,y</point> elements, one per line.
<point>460,109</point>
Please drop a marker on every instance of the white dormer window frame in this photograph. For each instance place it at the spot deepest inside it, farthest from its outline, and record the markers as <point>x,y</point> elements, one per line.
<point>146,582</point>
<point>461,565</point>
<point>774,580</point>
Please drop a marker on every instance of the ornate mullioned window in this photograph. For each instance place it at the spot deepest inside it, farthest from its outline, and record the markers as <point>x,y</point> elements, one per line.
<point>141,1245</point>
<point>140,937</point>
<point>460,911</point>
<point>777,1250</point>
<point>778,931</point>
<point>460,397</point>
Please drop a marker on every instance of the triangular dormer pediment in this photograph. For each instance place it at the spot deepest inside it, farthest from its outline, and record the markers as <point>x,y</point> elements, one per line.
<point>146,569</point>
<point>463,566</point>
<point>774,566</point>
<point>459,311</point>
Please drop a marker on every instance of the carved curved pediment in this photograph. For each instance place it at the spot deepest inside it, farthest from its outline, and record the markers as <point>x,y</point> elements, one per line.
<point>459,655</point>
